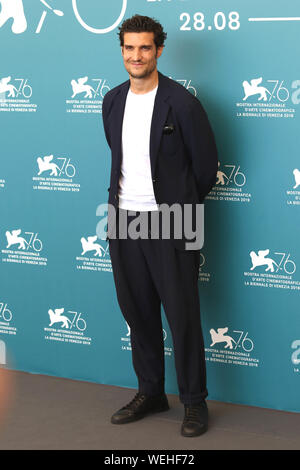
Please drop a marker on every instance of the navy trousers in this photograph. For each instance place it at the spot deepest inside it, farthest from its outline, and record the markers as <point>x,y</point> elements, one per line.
<point>149,273</point>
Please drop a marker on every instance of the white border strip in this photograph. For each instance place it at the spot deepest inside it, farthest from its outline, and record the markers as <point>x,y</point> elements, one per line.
<point>292,18</point>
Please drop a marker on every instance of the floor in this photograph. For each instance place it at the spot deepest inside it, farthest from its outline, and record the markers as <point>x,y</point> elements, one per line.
<point>51,413</point>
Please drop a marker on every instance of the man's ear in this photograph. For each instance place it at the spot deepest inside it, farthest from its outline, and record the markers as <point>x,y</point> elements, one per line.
<point>159,51</point>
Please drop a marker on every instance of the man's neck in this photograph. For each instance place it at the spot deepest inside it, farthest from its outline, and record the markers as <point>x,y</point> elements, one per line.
<point>140,86</point>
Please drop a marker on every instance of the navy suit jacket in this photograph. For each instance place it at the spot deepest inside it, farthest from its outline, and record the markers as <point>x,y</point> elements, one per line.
<point>183,153</point>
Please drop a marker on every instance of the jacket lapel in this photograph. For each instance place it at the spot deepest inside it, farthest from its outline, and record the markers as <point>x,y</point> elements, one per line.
<point>160,112</point>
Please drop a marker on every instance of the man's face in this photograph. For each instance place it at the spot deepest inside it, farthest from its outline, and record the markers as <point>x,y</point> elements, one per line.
<point>140,54</point>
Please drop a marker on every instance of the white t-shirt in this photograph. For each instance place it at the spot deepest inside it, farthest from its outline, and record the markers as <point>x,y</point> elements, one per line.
<point>135,183</point>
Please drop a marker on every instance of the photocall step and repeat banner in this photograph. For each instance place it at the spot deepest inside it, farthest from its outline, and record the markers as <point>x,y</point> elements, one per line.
<point>58,308</point>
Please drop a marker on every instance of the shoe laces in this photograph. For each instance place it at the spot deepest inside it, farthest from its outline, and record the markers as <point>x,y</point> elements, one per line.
<point>135,402</point>
<point>193,411</point>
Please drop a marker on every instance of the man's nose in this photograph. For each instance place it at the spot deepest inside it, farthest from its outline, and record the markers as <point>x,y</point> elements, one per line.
<point>136,55</point>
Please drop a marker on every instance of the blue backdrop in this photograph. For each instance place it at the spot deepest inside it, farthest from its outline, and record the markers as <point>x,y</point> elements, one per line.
<point>58,309</point>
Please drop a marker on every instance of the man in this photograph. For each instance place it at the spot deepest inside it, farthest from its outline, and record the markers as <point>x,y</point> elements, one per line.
<point>163,153</point>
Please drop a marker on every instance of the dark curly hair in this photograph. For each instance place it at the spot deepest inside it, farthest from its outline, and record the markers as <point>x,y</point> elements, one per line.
<point>143,24</point>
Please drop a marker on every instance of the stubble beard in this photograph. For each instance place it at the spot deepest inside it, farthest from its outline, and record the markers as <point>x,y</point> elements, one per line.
<point>145,74</point>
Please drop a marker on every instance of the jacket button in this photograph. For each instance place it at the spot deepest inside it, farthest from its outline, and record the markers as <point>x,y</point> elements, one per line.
<point>108,189</point>
<point>153,181</point>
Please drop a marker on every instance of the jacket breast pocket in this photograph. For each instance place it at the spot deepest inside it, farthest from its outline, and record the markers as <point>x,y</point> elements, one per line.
<point>170,140</point>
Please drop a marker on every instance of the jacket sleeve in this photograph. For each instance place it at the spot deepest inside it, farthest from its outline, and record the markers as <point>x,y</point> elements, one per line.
<point>200,143</point>
<point>104,118</point>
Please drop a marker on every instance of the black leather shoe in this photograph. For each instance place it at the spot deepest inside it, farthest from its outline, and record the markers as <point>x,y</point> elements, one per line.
<point>139,407</point>
<point>195,421</point>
